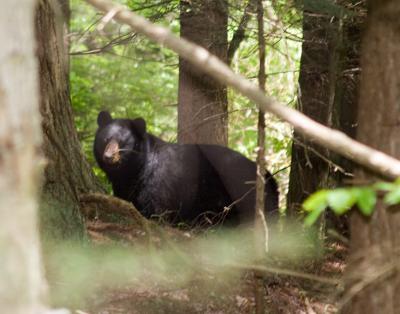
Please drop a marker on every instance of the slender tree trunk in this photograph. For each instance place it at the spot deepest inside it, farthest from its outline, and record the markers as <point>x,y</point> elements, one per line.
<point>373,279</point>
<point>261,226</point>
<point>21,276</point>
<point>203,102</point>
<point>67,174</point>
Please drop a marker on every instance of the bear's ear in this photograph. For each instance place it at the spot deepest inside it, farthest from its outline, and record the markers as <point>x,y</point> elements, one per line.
<point>103,118</point>
<point>139,125</point>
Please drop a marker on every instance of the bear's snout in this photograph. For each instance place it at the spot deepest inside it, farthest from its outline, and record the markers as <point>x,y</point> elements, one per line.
<point>111,152</point>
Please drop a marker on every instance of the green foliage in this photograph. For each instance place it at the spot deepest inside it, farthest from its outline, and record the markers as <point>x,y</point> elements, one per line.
<point>155,9</point>
<point>366,200</point>
<point>392,190</point>
<point>287,12</point>
<point>341,200</point>
<point>315,204</point>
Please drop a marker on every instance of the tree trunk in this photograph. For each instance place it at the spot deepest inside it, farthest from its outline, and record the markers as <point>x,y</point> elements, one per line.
<point>308,170</point>
<point>328,91</point>
<point>21,276</point>
<point>345,101</point>
<point>373,282</point>
<point>67,174</point>
<point>203,102</point>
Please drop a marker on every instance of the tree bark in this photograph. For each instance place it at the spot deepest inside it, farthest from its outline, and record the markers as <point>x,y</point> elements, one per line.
<point>308,171</point>
<point>67,173</point>
<point>21,277</point>
<point>328,94</point>
<point>203,101</point>
<point>345,101</point>
<point>372,278</point>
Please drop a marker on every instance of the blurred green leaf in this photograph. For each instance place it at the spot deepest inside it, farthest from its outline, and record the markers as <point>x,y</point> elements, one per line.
<point>316,201</point>
<point>312,216</point>
<point>366,200</point>
<point>340,200</point>
<point>392,197</point>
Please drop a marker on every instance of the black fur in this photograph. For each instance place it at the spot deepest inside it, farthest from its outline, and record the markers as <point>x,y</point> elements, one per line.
<point>182,183</point>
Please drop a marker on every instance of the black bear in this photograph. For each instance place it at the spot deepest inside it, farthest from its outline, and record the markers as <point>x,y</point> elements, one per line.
<point>186,183</point>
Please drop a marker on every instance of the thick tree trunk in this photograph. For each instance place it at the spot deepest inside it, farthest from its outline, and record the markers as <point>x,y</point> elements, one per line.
<point>308,171</point>
<point>203,103</point>
<point>373,280</point>
<point>329,76</point>
<point>67,174</point>
<point>345,101</point>
<point>21,276</point>
<point>348,79</point>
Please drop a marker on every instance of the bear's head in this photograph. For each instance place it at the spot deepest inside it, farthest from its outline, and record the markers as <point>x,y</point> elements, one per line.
<point>118,142</point>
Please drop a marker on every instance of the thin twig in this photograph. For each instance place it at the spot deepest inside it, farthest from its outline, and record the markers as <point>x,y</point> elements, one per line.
<point>324,158</point>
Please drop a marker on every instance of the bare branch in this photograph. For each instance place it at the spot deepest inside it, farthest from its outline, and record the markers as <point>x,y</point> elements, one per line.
<point>334,140</point>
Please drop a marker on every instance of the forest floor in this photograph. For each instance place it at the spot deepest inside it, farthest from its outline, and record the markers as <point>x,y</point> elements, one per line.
<point>207,293</point>
<point>173,273</point>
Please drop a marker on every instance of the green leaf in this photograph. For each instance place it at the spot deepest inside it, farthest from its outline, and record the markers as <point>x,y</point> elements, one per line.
<point>366,200</point>
<point>341,200</point>
<point>316,201</point>
<point>315,204</point>
<point>393,197</point>
<point>312,216</point>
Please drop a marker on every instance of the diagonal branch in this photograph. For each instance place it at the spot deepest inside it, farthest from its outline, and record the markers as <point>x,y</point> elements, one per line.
<point>334,140</point>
